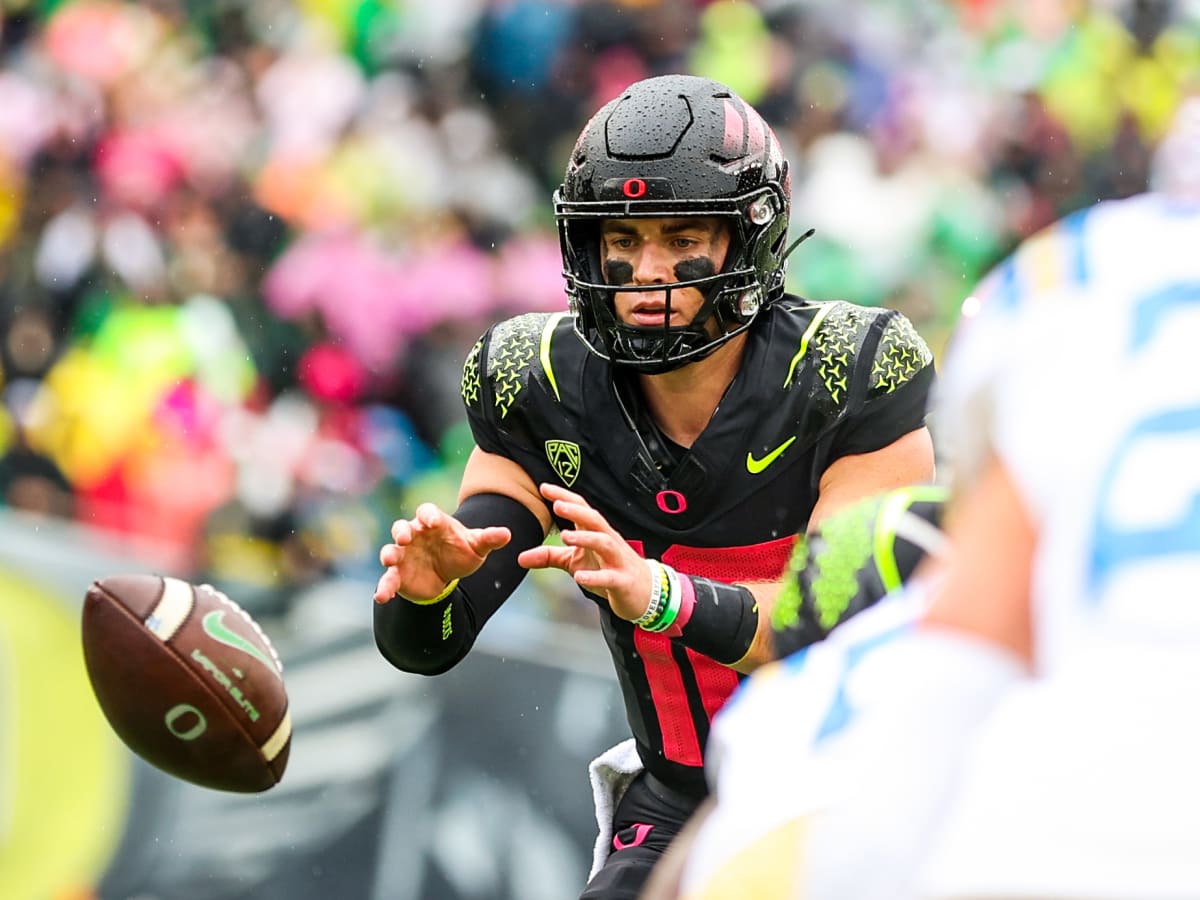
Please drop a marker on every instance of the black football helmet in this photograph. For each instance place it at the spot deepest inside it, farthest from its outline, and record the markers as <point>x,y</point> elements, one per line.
<point>669,146</point>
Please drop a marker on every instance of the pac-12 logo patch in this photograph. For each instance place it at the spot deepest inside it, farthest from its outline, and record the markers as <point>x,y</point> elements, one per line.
<point>564,456</point>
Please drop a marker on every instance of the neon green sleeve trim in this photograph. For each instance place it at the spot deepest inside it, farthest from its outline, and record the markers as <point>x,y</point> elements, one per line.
<point>808,333</point>
<point>547,335</point>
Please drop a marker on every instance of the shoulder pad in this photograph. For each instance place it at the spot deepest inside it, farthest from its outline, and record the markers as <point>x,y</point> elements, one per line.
<point>470,376</point>
<point>835,338</point>
<point>901,354</point>
<point>506,357</point>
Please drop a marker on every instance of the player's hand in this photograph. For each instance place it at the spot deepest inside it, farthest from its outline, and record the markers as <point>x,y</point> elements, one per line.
<point>594,554</point>
<point>430,550</point>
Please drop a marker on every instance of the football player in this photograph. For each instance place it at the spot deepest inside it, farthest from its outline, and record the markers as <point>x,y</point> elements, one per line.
<point>1031,735</point>
<point>1077,555</point>
<point>679,425</point>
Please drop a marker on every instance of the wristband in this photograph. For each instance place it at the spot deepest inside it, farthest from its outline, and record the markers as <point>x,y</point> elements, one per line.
<point>658,592</point>
<point>671,609</point>
<point>723,620</point>
<point>687,602</point>
<point>664,604</point>
<point>446,592</point>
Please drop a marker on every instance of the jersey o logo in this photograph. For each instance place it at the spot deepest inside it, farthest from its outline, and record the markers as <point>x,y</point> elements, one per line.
<point>671,502</point>
<point>634,188</point>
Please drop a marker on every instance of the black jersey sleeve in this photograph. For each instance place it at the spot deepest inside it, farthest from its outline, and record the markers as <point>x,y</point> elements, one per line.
<point>483,430</point>
<point>499,373</point>
<point>892,389</point>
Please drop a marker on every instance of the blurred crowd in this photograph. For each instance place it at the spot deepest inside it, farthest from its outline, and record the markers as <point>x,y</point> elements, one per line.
<point>244,246</point>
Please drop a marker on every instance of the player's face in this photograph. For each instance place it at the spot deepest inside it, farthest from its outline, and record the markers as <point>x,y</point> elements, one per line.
<point>662,251</point>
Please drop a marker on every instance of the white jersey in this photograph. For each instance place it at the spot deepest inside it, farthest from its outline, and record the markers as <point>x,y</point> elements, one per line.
<point>1089,392</point>
<point>800,790</point>
<point>951,772</point>
<point>1131,247</point>
<point>773,760</point>
<point>1084,781</point>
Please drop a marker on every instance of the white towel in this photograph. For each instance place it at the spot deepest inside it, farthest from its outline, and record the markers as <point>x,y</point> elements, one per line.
<point>610,773</point>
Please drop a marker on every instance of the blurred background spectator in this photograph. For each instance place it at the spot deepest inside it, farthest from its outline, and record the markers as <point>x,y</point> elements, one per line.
<point>244,246</point>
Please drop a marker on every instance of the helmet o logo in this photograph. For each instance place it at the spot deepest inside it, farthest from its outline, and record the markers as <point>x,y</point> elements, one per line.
<point>175,713</point>
<point>634,188</point>
<point>671,502</point>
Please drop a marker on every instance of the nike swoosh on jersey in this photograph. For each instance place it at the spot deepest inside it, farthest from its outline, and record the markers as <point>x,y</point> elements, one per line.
<point>754,466</point>
<point>220,632</point>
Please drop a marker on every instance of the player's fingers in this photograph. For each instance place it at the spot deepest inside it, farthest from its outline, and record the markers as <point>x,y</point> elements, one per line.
<point>402,531</point>
<point>597,580</point>
<point>485,540</point>
<point>429,515</point>
<point>552,491</point>
<point>599,542</point>
<point>387,586</point>
<point>533,558</point>
<point>584,516</point>
<point>545,558</point>
<point>390,555</point>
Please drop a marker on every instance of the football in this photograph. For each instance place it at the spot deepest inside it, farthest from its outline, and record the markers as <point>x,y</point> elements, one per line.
<point>188,680</point>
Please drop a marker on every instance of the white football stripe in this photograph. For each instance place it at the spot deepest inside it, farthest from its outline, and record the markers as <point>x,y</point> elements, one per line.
<point>276,742</point>
<point>175,605</point>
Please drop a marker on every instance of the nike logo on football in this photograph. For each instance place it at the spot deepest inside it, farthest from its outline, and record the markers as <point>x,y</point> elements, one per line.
<point>216,629</point>
<point>754,466</point>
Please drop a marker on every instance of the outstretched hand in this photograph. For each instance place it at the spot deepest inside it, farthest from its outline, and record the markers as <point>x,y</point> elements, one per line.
<point>430,550</point>
<point>594,554</point>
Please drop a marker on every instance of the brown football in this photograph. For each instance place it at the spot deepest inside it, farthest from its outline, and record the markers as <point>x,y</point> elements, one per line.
<point>188,681</point>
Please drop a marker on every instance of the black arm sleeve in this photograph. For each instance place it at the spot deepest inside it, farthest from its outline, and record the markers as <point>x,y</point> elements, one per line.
<point>429,639</point>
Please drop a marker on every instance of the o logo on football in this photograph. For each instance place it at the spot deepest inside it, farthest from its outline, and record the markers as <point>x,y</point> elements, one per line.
<point>634,188</point>
<point>177,712</point>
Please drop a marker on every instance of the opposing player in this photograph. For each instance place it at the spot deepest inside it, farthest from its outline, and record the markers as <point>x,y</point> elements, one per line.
<point>680,425</point>
<point>1032,735</point>
<point>1078,552</point>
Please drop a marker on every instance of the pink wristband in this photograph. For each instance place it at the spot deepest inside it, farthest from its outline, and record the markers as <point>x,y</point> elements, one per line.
<point>687,602</point>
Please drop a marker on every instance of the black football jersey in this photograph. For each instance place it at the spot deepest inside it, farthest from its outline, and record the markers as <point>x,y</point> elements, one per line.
<point>818,380</point>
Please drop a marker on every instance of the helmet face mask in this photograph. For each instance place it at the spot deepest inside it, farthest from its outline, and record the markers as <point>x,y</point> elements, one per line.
<point>670,147</point>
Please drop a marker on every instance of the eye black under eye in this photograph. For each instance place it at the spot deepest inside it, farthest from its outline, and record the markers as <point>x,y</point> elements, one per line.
<point>618,271</point>
<point>696,267</point>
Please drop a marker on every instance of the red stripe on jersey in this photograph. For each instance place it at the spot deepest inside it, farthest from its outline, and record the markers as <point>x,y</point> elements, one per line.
<point>735,132</point>
<point>681,744</point>
<point>715,682</point>
<point>754,562</point>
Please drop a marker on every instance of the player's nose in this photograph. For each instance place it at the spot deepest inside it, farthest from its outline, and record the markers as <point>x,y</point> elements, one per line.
<point>654,265</point>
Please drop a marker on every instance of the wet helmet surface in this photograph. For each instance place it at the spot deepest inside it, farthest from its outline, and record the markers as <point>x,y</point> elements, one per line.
<point>671,146</point>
